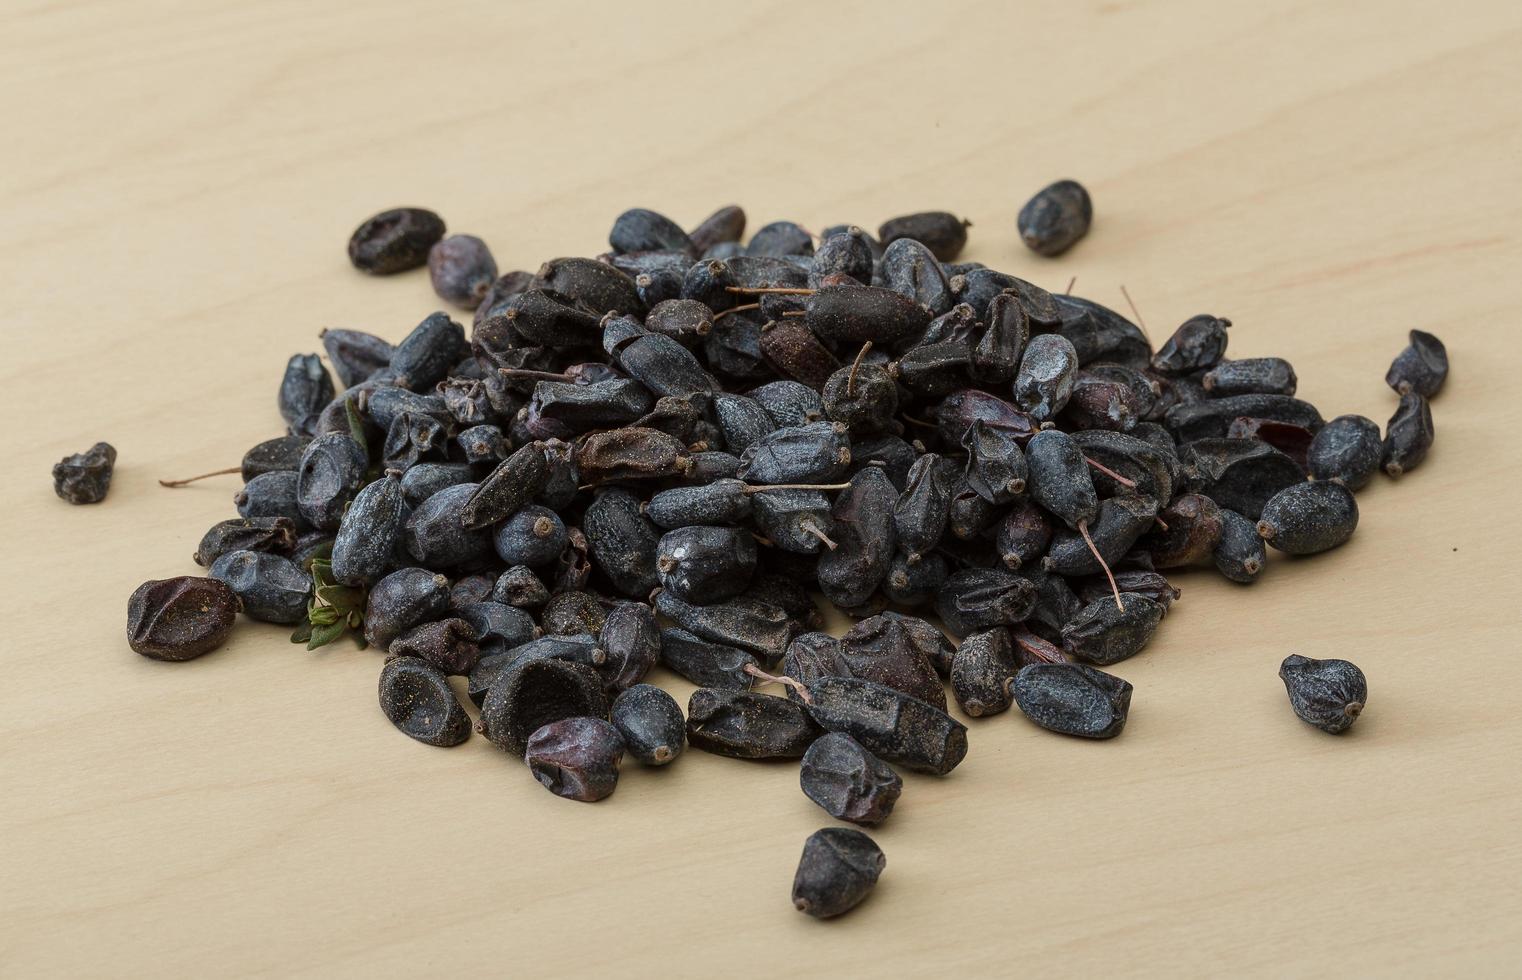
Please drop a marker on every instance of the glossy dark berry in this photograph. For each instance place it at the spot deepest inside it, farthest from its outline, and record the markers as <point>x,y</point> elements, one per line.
<point>1055,219</point>
<point>395,241</point>
<point>1329,694</point>
<point>180,618</point>
<point>1073,699</point>
<point>651,723</point>
<point>576,758</point>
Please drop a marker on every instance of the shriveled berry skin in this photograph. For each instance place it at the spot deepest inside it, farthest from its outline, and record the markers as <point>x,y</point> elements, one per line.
<point>1104,635</point>
<point>395,241</point>
<point>935,646</point>
<point>1329,694</point>
<point>745,725</point>
<point>331,472</point>
<point>280,453</point>
<point>881,649</point>
<point>863,515</point>
<point>417,699</point>
<point>975,599</point>
<point>818,452</point>
<point>1347,449</point>
<point>497,627</point>
<point>643,230</point>
<point>1214,416</point>
<point>576,758</point>
<point>270,588</point>
<point>836,873</point>
<point>524,699</point>
<point>1196,345</point>
<point>572,611</point>
<point>651,724</point>
<point>1241,474</point>
<point>521,588</point>
<point>305,390</point>
<point>848,252</point>
<point>940,231</point>
<point>1422,367</point>
<point>1121,521</point>
<point>981,673</point>
<point>84,478</point>
<point>1239,555</point>
<point>623,542</point>
<point>996,467</point>
<point>863,398</point>
<point>402,600</point>
<point>897,728</point>
<point>706,564</point>
<point>600,286</point>
<point>1073,699</point>
<point>1408,436</point>
<point>1194,530</point>
<point>180,618</point>
<point>435,536</point>
<point>354,354</point>
<point>1055,219</point>
<point>533,536</point>
<point>276,535</point>
<point>271,495</point>
<point>1059,477</point>
<point>366,545</point>
<point>1250,376</point>
<point>725,225</point>
<point>848,782</point>
<point>448,644</point>
<point>1023,535</point>
<point>1044,382</point>
<point>719,502</point>
<point>631,639</point>
<point>1308,518</point>
<point>706,663</point>
<point>514,482</point>
<point>846,317</point>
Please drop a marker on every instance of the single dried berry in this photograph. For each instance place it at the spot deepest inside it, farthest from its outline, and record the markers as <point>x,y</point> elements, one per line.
<point>533,536</point>
<point>642,230</point>
<point>418,700</point>
<point>305,390</point>
<point>885,649</point>
<point>573,611</point>
<point>707,663</point>
<point>1047,373</point>
<point>1347,449</point>
<point>1422,367</point>
<point>894,726</point>
<point>576,758</point>
<point>276,535</point>
<point>725,225</point>
<point>269,587</point>
<point>402,600</point>
<point>435,534</point>
<point>496,626</point>
<point>1329,694</point>
<point>849,782</point>
<point>331,472</point>
<point>514,482</point>
<point>976,599</point>
<point>395,241</point>
<point>271,455</point>
<point>836,873</point>
<point>448,644</point>
<point>1059,477</point>
<point>1239,555</point>
<point>1056,218</point>
<point>1250,376</point>
<point>271,495</point>
<point>1409,435</point>
<point>981,673</point>
<point>863,515</point>
<point>623,542</point>
<point>631,640</point>
<point>1241,474</point>
<point>651,724</point>
<point>816,453</point>
<point>706,564</point>
<point>525,698</point>
<point>1103,634</point>
<point>180,618</point>
<point>1197,344</point>
<point>1193,523</point>
<point>940,231</point>
<point>354,354</point>
<point>1073,699</point>
<point>745,725</point>
<point>84,478</point>
<point>366,545</point>
<point>1309,517</point>
<point>1121,521</point>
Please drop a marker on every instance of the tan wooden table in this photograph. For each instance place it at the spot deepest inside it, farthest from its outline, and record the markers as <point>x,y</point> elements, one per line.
<point>178,185</point>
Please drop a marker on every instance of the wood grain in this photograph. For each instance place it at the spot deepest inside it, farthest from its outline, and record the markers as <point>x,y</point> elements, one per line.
<point>179,181</point>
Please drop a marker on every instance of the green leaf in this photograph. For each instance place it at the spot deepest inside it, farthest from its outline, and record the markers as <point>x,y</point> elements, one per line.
<point>356,425</point>
<point>322,552</point>
<point>323,635</point>
<point>301,633</point>
<point>323,616</point>
<point>342,597</point>
<point>356,620</point>
<point>322,572</point>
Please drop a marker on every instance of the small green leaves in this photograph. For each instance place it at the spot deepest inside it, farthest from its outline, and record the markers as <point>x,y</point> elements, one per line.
<point>333,609</point>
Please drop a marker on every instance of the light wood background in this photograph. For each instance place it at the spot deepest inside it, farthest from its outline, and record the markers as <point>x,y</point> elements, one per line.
<point>178,185</point>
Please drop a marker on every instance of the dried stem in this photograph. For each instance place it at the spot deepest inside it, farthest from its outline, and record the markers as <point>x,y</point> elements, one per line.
<point>735,309</point>
<point>794,313</point>
<point>813,529</point>
<point>1135,312</point>
<point>1129,484</point>
<point>524,374</point>
<point>851,378</point>
<point>773,290</point>
<point>782,679</point>
<point>1083,529</point>
<point>1161,523</point>
<point>1071,283</point>
<point>192,479</point>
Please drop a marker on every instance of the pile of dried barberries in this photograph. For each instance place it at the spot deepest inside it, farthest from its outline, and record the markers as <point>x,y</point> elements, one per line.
<point>658,455</point>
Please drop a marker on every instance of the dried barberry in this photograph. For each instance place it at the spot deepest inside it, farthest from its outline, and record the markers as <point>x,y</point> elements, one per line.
<point>1239,555</point>
<point>84,478</point>
<point>981,672</point>
<point>1329,694</point>
<point>1422,367</point>
<point>402,600</point>
<point>836,873</point>
<point>1408,436</point>
<point>418,700</point>
<point>180,618</point>
<point>1055,219</point>
<point>1309,517</point>
<point>941,231</point>
<point>276,535</point>
<point>651,724</point>
<point>1073,699</point>
<point>395,241</point>
<point>1103,634</point>
<point>1347,449</point>
<point>269,587</point>
<point>746,725</point>
<point>892,725</point>
<point>849,782</point>
<point>524,699</point>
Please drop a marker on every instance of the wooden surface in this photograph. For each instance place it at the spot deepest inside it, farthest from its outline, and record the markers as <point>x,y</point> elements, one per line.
<point>178,187</point>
